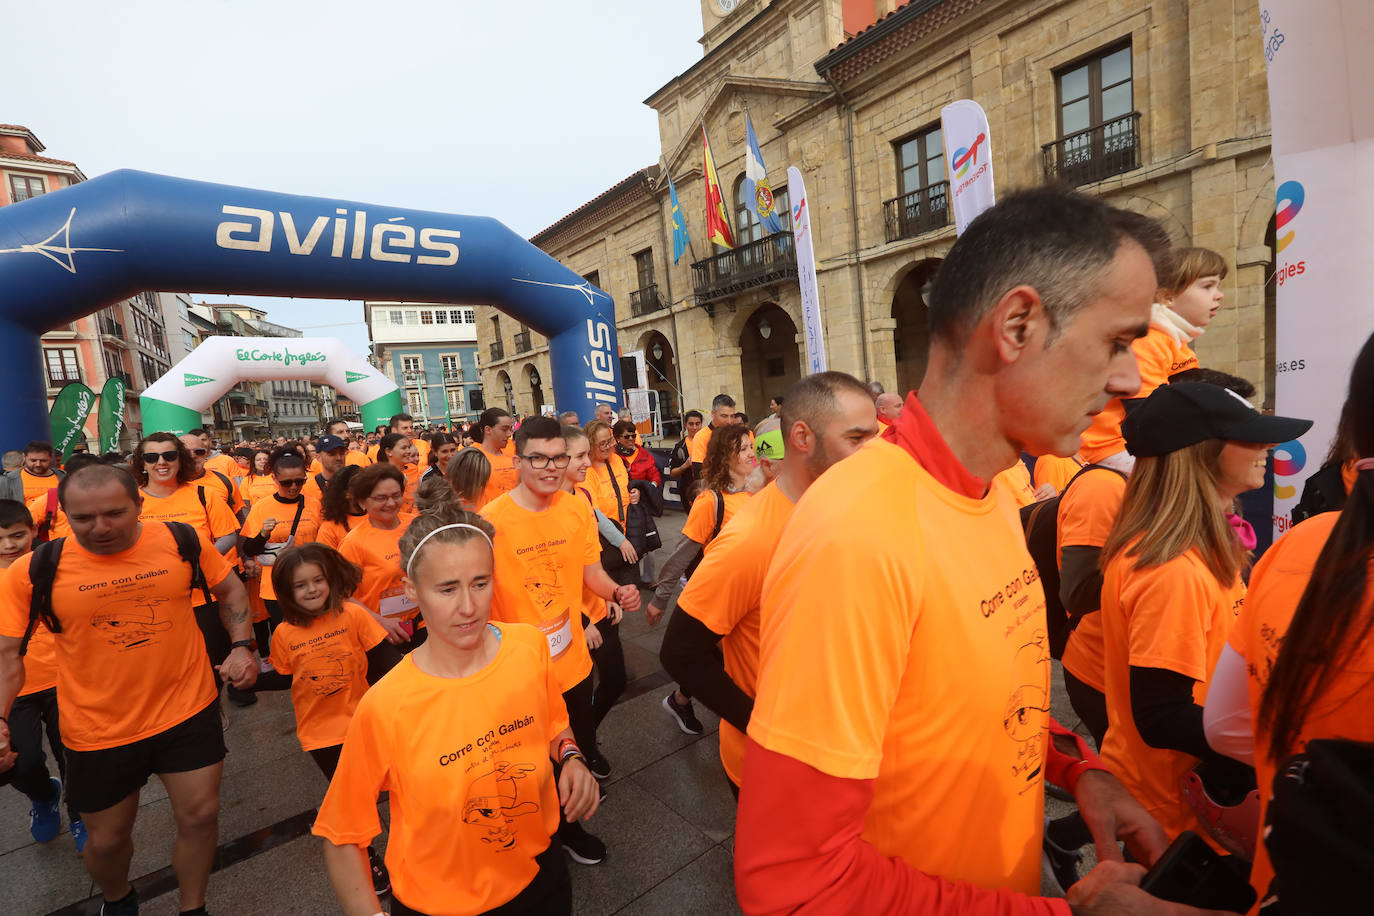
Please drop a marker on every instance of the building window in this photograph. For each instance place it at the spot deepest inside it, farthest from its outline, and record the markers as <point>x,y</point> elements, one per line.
<point>644,268</point>
<point>63,366</point>
<point>469,316</point>
<point>414,404</point>
<point>594,278</point>
<point>397,316</point>
<point>453,370</point>
<point>441,316</point>
<point>412,316</point>
<point>1099,132</point>
<point>455,401</point>
<point>747,226</point>
<point>22,187</point>
<point>922,201</point>
<point>410,364</point>
<point>113,364</point>
<point>920,161</point>
<point>426,317</point>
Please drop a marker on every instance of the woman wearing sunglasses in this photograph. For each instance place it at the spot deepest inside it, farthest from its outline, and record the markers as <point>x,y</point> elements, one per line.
<point>287,518</point>
<point>166,472</point>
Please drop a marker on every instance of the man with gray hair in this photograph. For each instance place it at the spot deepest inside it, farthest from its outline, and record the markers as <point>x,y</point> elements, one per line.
<point>904,673</point>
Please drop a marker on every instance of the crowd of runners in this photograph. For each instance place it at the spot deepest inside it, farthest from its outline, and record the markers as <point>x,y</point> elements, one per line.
<point>870,589</point>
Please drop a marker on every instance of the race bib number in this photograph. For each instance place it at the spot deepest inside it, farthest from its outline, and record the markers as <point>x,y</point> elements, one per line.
<point>559,633</point>
<point>394,603</point>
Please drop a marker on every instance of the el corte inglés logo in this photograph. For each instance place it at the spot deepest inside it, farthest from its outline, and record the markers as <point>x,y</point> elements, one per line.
<point>192,380</point>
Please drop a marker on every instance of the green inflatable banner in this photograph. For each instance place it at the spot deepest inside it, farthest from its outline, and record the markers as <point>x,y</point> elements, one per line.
<point>110,420</point>
<point>70,409</point>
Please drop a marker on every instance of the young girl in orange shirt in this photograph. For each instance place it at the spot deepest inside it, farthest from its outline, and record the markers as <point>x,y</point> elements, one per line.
<point>327,650</point>
<point>475,803</point>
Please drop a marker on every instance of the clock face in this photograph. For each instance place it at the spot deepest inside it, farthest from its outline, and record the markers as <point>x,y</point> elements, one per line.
<point>727,6</point>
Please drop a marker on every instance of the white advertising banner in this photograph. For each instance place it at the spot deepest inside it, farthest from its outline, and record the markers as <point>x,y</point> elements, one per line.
<point>806,273</point>
<point>1320,74</point>
<point>637,399</point>
<point>968,159</point>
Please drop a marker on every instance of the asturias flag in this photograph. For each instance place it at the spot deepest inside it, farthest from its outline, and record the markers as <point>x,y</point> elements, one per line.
<point>680,237</point>
<point>756,183</point>
<point>717,219</point>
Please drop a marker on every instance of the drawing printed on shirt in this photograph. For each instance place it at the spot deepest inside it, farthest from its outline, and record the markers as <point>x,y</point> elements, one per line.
<point>541,581</point>
<point>131,623</point>
<point>326,671</point>
<point>1028,705</point>
<point>494,802</point>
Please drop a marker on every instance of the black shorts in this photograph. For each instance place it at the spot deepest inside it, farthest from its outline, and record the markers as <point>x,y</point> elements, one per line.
<point>101,779</point>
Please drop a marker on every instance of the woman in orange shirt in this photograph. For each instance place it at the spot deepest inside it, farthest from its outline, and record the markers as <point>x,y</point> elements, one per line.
<point>258,482</point>
<point>373,546</point>
<point>398,451</point>
<point>442,448</point>
<point>338,512</point>
<point>488,784</point>
<point>468,473</point>
<point>1172,588</point>
<point>327,651</point>
<point>730,459</point>
<point>1300,660</point>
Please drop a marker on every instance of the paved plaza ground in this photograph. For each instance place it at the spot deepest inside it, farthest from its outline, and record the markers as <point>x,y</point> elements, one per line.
<point>668,819</point>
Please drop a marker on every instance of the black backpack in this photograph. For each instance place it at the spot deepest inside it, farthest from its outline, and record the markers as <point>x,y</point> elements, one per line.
<point>1324,491</point>
<point>1041,523</point>
<point>43,573</point>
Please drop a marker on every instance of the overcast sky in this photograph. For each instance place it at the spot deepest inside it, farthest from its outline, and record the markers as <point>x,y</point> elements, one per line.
<point>519,111</point>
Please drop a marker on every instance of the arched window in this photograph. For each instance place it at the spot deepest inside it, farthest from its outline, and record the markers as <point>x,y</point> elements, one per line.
<point>747,227</point>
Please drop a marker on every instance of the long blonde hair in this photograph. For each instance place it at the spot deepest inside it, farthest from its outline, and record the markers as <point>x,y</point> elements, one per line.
<point>1171,507</point>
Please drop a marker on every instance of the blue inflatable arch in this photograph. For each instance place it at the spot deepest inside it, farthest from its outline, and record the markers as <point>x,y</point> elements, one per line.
<point>65,254</point>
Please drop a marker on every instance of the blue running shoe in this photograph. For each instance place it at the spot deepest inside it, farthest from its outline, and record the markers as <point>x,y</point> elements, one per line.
<point>78,828</point>
<point>45,819</point>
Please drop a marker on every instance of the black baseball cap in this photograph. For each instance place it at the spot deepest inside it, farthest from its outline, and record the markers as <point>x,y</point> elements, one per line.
<point>1186,413</point>
<point>329,443</point>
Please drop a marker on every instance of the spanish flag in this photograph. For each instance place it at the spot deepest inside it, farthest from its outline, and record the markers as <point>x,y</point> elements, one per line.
<point>717,218</point>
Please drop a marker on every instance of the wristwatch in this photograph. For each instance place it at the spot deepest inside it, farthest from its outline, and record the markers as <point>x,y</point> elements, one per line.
<point>241,644</point>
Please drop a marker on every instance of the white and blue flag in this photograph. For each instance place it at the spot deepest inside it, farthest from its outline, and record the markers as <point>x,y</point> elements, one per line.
<point>756,183</point>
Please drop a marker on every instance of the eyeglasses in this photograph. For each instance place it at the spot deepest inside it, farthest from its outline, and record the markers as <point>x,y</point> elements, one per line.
<point>200,452</point>
<point>298,482</point>
<point>390,498</point>
<point>539,462</point>
<point>605,445</point>
<point>155,457</point>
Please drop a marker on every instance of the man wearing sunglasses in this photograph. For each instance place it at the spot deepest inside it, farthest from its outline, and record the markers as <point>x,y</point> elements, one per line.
<point>211,483</point>
<point>546,550</point>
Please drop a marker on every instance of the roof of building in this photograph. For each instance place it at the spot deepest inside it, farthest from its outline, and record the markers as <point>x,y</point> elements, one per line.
<point>21,129</point>
<point>897,30</point>
<point>7,154</point>
<point>639,180</point>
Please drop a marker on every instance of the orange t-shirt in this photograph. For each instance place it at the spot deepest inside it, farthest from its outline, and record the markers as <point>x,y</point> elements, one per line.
<point>358,459</point>
<point>130,658</point>
<point>509,450</point>
<point>593,605</point>
<point>312,486</point>
<point>504,476</point>
<point>213,519</point>
<point>328,664</point>
<point>701,517</point>
<point>372,451</point>
<point>421,449</point>
<point>696,446</point>
<point>285,514</point>
<point>413,473</point>
<point>221,488</point>
<point>1054,470</point>
<point>40,662</point>
<point>225,464</point>
<point>1158,356</point>
<point>1086,515</point>
<point>599,485</point>
<point>1342,710</point>
<point>1175,616</point>
<point>38,508</point>
<point>256,486</point>
<point>1017,480</point>
<point>540,559</point>
<point>725,593</point>
<point>35,487</point>
<point>332,534</point>
<point>377,552</point>
<point>472,802</point>
<point>908,647</point>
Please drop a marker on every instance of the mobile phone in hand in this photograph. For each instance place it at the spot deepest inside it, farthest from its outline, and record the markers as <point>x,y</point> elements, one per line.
<point>1192,872</point>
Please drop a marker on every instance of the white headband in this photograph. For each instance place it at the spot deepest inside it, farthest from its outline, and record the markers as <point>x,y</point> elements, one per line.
<point>416,552</point>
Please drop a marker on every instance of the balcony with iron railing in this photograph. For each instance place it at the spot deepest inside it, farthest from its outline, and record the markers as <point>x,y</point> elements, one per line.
<point>453,375</point>
<point>413,377</point>
<point>1098,152</point>
<point>921,211</point>
<point>110,327</point>
<point>646,300</point>
<point>762,262</point>
<point>522,342</point>
<point>498,350</point>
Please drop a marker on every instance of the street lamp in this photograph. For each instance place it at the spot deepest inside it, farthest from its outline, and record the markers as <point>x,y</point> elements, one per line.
<point>765,329</point>
<point>657,351</point>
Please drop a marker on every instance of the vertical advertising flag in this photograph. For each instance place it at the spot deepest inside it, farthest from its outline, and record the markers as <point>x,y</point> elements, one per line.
<point>806,273</point>
<point>110,418</point>
<point>968,157</point>
<point>68,416</point>
<point>760,193</point>
<point>680,236</point>
<point>717,217</point>
<point>1319,77</point>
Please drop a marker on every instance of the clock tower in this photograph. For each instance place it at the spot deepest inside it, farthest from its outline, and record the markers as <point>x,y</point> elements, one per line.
<point>721,17</point>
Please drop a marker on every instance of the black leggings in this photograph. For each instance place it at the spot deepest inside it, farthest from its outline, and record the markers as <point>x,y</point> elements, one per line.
<point>548,894</point>
<point>327,759</point>
<point>1090,704</point>
<point>31,716</point>
<point>609,659</point>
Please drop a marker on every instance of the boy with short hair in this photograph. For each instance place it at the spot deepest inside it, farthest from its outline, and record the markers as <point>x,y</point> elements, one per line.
<point>35,709</point>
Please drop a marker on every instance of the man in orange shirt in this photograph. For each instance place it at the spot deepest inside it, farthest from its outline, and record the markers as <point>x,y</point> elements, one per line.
<point>722,413</point>
<point>214,484</point>
<point>904,671</point>
<point>826,417</point>
<point>137,691</point>
<point>35,477</point>
<point>332,452</point>
<point>494,439</point>
<point>547,550</point>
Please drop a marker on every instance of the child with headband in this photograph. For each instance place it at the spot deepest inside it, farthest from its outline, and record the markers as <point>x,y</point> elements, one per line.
<point>470,736</point>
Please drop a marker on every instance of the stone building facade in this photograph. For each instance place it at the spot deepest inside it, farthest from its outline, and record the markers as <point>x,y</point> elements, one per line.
<point>1160,107</point>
